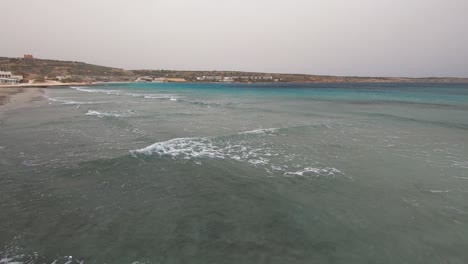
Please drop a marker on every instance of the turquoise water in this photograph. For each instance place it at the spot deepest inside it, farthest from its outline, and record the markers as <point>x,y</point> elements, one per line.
<point>231,173</point>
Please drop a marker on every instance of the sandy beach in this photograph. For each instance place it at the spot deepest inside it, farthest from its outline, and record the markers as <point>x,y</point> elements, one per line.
<point>12,97</point>
<point>48,84</point>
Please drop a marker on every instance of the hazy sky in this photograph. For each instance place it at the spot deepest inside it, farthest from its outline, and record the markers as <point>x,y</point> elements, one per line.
<point>335,37</point>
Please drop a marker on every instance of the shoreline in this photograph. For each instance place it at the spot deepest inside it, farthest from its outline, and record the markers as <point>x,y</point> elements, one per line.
<point>18,96</point>
<point>42,85</point>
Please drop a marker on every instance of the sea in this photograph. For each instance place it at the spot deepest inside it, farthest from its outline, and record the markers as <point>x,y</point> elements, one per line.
<point>236,173</point>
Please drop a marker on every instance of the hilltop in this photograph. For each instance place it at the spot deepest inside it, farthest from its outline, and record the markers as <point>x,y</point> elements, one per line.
<point>74,71</point>
<point>34,69</point>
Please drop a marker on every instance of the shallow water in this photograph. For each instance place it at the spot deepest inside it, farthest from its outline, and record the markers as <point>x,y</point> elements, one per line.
<point>231,173</point>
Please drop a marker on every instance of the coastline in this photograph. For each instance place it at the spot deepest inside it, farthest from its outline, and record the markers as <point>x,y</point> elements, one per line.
<point>42,85</point>
<point>14,97</point>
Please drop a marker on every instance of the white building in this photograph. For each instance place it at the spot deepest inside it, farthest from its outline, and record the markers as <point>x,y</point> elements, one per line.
<point>8,78</point>
<point>228,79</point>
<point>213,78</point>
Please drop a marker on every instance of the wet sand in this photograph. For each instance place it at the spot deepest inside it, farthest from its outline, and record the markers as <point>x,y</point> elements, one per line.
<point>12,97</point>
<point>47,84</point>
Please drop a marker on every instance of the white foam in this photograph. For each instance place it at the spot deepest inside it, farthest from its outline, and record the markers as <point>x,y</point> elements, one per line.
<point>438,191</point>
<point>109,92</point>
<point>6,260</point>
<point>170,97</point>
<point>103,114</point>
<point>192,148</point>
<point>217,148</point>
<point>67,102</point>
<point>311,171</point>
<point>185,148</point>
<point>259,131</point>
<point>11,260</point>
<point>259,161</point>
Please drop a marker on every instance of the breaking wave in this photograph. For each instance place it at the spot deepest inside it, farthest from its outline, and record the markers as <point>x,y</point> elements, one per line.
<point>104,114</point>
<point>328,172</point>
<point>184,148</point>
<point>67,102</point>
<point>239,147</point>
<point>171,97</point>
<point>266,131</point>
<point>158,96</point>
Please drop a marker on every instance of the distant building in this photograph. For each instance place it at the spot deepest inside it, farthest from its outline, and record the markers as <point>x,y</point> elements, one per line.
<point>7,78</point>
<point>213,78</point>
<point>228,79</point>
<point>144,79</point>
<point>61,78</point>
<point>238,78</point>
<point>28,56</point>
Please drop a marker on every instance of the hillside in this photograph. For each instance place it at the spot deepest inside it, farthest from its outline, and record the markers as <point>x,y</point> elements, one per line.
<point>78,71</point>
<point>283,77</point>
<point>39,69</point>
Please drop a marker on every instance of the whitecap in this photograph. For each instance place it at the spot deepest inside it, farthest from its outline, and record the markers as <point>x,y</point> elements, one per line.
<point>103,114</point>
<point>312,171</point>
<point>259,161</point>
<point>170,97</point>
<point>217,148</point>
<point>260,131</point>
<point>109,92</point>
<point>438,191</point>
<point>184,148</point>
<point>67,102</point>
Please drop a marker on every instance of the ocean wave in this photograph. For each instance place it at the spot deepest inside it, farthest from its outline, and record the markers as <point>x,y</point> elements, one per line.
<point>309,171</point>
<point>185,148</point>
<point>35,258</point>
<point>104,114</point>
<point>438,191</point>
<point>157,96</point>
<point>203,147</point>
<point>171,97</point>
<point>87,90</point>
<point>67,102</point>
<point>256,151</point>
<point>160,96</point>
<point>265,131</point>
<point>202,103</point>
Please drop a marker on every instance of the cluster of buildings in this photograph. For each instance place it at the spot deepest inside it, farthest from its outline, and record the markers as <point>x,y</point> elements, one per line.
<point>267,78</point>
<point>159,79</point>
<point>7,78</point>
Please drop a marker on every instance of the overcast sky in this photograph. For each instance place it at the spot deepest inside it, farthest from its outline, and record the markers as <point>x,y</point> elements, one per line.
<point>333,37</point>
